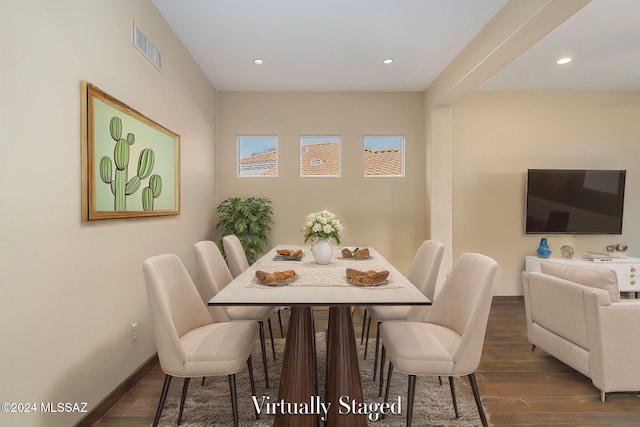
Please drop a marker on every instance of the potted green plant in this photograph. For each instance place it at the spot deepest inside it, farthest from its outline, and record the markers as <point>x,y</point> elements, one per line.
<point>249,219</point>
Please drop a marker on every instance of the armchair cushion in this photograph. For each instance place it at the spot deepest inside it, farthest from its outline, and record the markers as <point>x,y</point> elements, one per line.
<point>601,278</point>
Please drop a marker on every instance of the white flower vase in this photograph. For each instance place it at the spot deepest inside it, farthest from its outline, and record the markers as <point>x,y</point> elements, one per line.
<point>322,251</point>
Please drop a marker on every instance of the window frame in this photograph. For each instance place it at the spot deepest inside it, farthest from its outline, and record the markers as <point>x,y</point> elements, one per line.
<point>402,148</point>
<point>319,137</point>
<point>239,153</point>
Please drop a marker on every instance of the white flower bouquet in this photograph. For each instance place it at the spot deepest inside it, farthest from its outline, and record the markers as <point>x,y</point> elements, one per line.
<point>323,224</point>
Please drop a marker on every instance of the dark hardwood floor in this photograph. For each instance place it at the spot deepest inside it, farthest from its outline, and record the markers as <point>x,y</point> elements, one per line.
<point>518,387</point>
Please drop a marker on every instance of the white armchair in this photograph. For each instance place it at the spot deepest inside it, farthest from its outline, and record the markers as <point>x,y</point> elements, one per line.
<point>616,343</point>
<point>571,316</point>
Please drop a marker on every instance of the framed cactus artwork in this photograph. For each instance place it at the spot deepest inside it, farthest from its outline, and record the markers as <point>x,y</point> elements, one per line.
<point>130,164</point>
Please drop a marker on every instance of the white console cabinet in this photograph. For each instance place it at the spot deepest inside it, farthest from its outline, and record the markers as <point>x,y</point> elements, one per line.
<point>627,269</point>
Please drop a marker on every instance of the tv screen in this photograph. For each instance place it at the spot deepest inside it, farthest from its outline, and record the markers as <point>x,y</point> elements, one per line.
<point>574,201</point>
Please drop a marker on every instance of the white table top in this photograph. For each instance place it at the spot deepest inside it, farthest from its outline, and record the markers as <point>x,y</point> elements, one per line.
<point>319,285</point>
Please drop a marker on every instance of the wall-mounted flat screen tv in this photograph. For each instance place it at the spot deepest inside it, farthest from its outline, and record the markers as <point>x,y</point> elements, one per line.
<point>574,201</point>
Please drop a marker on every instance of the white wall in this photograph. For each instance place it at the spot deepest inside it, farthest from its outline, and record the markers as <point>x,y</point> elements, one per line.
<point>497,136</point>
<point>69,291</point>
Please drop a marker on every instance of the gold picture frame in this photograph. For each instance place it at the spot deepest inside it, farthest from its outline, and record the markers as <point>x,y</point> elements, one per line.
<point>130,164</point>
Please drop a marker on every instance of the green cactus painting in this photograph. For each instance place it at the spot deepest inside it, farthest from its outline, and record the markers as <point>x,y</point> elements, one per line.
<point>130,163</point>
<point>121,185</point>
<point>151,192</point>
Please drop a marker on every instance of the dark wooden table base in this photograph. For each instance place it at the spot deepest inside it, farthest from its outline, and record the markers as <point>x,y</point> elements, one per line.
<point>298,382</point>
<point>343,371</point>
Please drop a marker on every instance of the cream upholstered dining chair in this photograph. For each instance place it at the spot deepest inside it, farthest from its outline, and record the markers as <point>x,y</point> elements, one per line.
<point>214,276</point>
<point>236,256</point>
<point>189,343</point>
<point>450,339</point>
<point>423,274</point>
<point>237,261</point>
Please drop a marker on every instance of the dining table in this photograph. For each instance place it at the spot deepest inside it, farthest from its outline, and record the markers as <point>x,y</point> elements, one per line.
<point>299,401</point>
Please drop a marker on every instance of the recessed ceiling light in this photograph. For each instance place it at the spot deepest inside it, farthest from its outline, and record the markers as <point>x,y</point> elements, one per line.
<point>562,61</point>
<point>388,61</point>
<point>258,61</point>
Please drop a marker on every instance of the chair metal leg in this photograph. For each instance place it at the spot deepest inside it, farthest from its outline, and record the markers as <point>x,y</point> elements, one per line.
<point>184,395</point>
<point>273,346</point>
<point>411,392</point>
<point>280,323</point>
<point>234,399</point>
<point>603,396</point>
<point>366,340</point>
<point>264,354</point>
<point>453,397</point>
<point>476,396</point>
<point>163,398</point>
<point>386,392</point>
<point>383,355</point>
<point>252,382</point>
<point>375,358</point>
<point>364,320</point>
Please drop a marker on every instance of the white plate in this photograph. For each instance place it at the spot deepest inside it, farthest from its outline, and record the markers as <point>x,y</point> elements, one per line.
<point>288,257</point>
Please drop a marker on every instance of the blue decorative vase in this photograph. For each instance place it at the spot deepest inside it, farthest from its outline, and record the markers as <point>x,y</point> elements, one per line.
<point>543,249</point>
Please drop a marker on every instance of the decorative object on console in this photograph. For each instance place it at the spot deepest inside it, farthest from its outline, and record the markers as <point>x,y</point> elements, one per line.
<point>543,249</point>
<point>566,251</point>
<point>619,250</point>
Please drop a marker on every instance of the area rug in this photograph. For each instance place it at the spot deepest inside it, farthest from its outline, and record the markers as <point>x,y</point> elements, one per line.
<point>210,404</point>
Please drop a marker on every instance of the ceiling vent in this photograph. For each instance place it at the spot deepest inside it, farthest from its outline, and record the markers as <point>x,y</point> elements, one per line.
<point>142,43</point>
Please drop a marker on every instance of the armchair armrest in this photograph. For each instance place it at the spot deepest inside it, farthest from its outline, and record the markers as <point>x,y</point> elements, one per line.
<point>615,343</point>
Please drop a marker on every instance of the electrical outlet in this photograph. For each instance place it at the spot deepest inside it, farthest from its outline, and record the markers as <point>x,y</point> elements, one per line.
<point>134,331</point>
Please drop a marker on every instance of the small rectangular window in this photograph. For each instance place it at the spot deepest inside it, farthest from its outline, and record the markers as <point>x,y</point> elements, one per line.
<point>258,155</point>
<point>383,156</point>
<point>319,156</point>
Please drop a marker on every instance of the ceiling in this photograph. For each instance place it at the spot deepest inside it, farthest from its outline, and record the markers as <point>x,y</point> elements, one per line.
<point>339,45</point>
